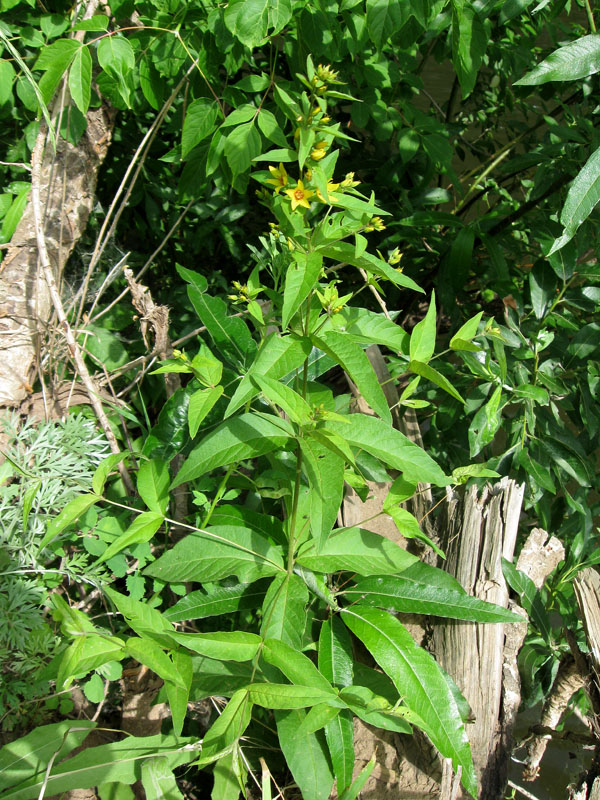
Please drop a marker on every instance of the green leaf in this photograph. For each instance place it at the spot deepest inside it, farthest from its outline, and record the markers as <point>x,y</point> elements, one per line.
<point>284,610</point>
<point>7,78</point>
<point>466,332</point>
<point>70,514</point>
<point>227,730</point>
<point>14,214</point>
<point>103,470</point>
<point>366,327</point>
<point>413,594</point>
<point>284,696</point>
<point>345,252</point>
<point>179,695</point>
<point>336,658</point>
<point>384,17</point>
<point>339,734</point>
<point>54,60</point>
<point>543,288</point>
<point>530,597</point>
<point>582,197</point>
<point>28,498</point>
<point>170,434</point>
<point>300,279</point>
<point>541,475</point>
<point>159,782</point>
<point>97,23</point>
<point>431,374</point>
<point>391,447</point>
<point>153,485</point>
<point>356,550</point>
<point>419,681</point>
<point>142,618</point>
<point>586,341</point>
<point>410,528</point>
<point>30,754</point>
<point>296,667</point>
<point>352,792</point>
<point>575,60</point>
<point>277,357</point>
<point>292,403</point>
<point>200,122</point>
<point>354,361</point>
<point>422,338</point>
<point>223,646</point>
<point>536,393</point>
<point>142,529</point>
<point>469,41</point>
<point>325,472</point>
<point>148,652</point>
<point>201,403</point>
<point>212,555</point>
<point>306,755</point>
<point>94,689</point>
<point>242,145</point>
<point>80,79</point>
<point>485,423</point>
<point>251,20</point>
<point>116,762</point>
<point>238,438</point>
<point>230,334</point>
<point>217,600</point>
<point>115,54</point>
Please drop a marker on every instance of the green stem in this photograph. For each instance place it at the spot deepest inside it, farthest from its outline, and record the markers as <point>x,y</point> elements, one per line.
<point>294,514</point>
<point>218,495</point>
<point>590,16</point>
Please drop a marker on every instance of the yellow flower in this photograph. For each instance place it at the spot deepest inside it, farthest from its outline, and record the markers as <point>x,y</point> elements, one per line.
<point>325,120</point>
<point>299,196</point>
<point>279,179</point>
<point>317,155</point>
<point>395,256</point>
<point>327,74</point>
<point>375,224</point>
<point>331,187</point>
<point>349,182</point>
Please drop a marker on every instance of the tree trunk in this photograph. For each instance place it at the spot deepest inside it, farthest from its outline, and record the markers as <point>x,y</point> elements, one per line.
<point>69,177</point>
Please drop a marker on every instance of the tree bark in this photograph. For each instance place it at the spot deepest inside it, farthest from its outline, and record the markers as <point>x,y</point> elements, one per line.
<point>68,178</point>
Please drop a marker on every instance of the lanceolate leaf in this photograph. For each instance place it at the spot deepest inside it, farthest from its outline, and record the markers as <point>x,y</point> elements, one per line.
<point>356,550</point>
<point>301,278</point>
<point>224,645</point>
<point>419,681</point>
<point>80,79</point>
<point>228,728</point>
<point>392,447</point>
<point>339,734</point>
<point>153,485</point>
<point>581,200</point>
<point>345,252</point>
<point>217,600</point>
<point>325,472</point>
<point>236,439</point>
<point>297,667</point>
<point>199,123</point>
<point>354,361</point>
<point>469,40</point>
<point>336,659</point>
<point>422,338</point>
<point>142,529</point>
<point>284,610</point>
<point>285,695</point>
<point>217,553</point>
<point>411,596</point>
<point>569,63</point>
<point>306,755</point>
<point>431,374</point>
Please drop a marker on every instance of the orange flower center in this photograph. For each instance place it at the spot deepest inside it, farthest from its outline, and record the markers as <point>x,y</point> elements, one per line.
<point>298,194</point>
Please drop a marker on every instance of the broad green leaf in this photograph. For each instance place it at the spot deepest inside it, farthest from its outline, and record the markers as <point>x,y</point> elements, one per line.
<point>536,393</point>
<point>410,528</point>
<point>285,696</point>
<point>485,423</point>
<point>201,402</point>
<point>159,782</point>
<point>540,474</point>
<point>292,403</point>
<point>153,485</point>
<point>251,21</point>
<point>229,774</point>
<point>242,145</point>
<point>268,123</point>
<point>179,695</point>
<point>336,659</point>
<point>391,447</point>
<point>575,60</point>
<point>228,728</point>
<point>87,653</point>
<point>297,667</point>
<point>14,214</point>
<point>221,678</point>
<point>543,286</point>
<point>7,78</point>
<point>145,620</point>
<point>223,646</point>
<point>116,762</point>
<point>325,471</point>
<point>469,41</point>
<point>97,23</point>
<point>384,17</point>
<point>422,338</point>
<point>153,656</point>
<point>582,198</point>
<point>462,474</point>
<point>231,335</point>
<point>466,332</point>
<point>586,342</point>
<point>400,491</point>
<point>301,278</point>
<point>306,755</point>
<point>352,358</point>
<point>80,79</point>
<point>419,681</point>
<point>277,357</point>
<point>30,754</point>
<point>170,433</point>
<point>200,121</point>
<point>70,514</point>
<point>142,529</point>
<point>54,60</point>
<point>345,253</point>
<point>103,470</point>
<point>115,54</point>
<point>318,717</point>
<point>197,280</point>
<point>218,553</point>
<point>339,734</point>
<point>238,438</point>
<point>356,550</point>
<point>431,374</point>
<point>412,595</point>
<point>530,597</point>
<point>217,600</point>
<point>367,327</point>
<point>284,610</point>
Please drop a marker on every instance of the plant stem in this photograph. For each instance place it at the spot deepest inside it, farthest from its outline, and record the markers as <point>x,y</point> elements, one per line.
<point>219,494</point>
<point>590,16</point>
